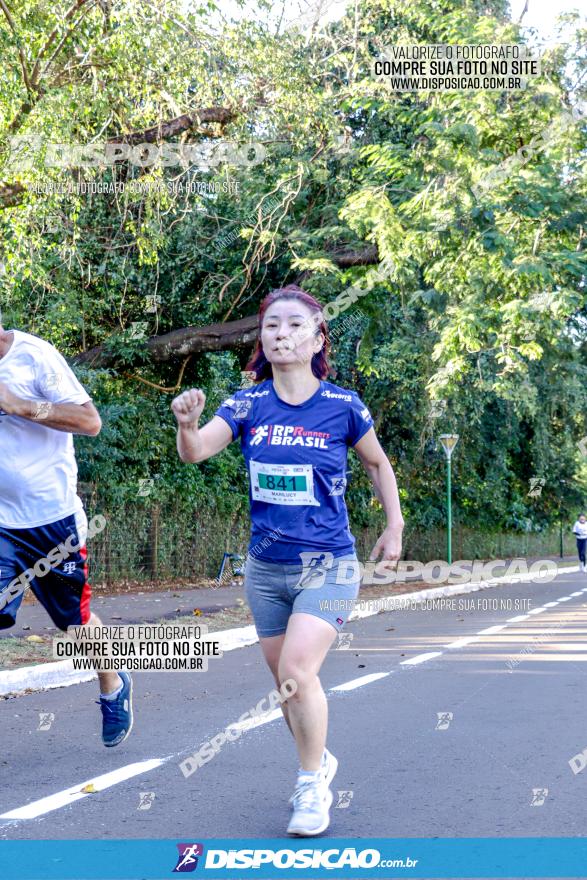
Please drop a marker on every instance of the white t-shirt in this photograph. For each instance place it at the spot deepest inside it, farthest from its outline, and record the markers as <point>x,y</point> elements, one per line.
<point>38,471</point>
<point>580,529</point>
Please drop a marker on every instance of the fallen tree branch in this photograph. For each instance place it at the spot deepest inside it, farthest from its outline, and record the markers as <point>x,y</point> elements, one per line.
<point>176,126</point>
<point>369,256</point>
<point>214,337</point>
<point>183,342</point>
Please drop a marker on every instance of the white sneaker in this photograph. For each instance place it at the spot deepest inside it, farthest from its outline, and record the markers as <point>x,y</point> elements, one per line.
<point>311,804</point>
<point>329,766</point>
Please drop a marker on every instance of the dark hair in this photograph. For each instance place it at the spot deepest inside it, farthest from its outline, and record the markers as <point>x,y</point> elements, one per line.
<point>259,364</point>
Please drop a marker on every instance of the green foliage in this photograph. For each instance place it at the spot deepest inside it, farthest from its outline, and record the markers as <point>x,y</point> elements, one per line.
<point>480,327</point>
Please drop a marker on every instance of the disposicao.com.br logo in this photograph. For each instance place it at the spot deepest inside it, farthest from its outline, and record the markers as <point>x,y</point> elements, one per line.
<point>187,860</point>
<point>348,857</point>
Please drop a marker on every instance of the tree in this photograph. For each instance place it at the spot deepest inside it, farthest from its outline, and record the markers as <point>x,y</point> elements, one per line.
<point>480,326</point>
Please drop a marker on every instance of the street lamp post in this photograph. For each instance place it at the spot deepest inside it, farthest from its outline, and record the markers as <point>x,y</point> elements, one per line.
<point>449,441</point>
<point>560,516</point>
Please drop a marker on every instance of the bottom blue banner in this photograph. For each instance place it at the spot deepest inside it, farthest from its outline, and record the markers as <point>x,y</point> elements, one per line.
<point>383,858</point>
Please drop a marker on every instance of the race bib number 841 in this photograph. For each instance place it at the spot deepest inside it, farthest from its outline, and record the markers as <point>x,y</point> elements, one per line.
<point>282,483</point>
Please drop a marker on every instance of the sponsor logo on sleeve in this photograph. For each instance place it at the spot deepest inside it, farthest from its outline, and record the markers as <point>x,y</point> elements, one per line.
<point>256,393</point>
<point>242,408</point>
<point>333,396</point>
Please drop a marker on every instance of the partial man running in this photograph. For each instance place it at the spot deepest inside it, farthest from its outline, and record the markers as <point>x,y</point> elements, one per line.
<point>580,532</point>
<point>41,405</point>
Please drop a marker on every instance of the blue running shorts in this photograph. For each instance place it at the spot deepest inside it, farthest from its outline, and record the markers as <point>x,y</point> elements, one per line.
<point>62,589</point>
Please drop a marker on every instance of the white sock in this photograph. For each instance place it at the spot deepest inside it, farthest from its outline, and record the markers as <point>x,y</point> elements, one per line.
<point>114,694</point>
<point>309,774</point>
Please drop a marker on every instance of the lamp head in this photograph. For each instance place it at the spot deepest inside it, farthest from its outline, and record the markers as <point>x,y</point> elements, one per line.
<point>449,441</point>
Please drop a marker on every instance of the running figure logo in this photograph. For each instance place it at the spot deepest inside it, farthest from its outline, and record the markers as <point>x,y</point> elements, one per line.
<point>42,410</point>
<point>242,408</point>
<point>146,800</point>
<point>187,859</point>
<point>344,800</point>
<point>51,381</point>
<point>536,487</point>
<point>444,719</point>
<point>338,486</point>
<point>260,433</point>
<point>145,486</point>
<point>538,797</point>
<point>315,566</point>
<point>46,719</point>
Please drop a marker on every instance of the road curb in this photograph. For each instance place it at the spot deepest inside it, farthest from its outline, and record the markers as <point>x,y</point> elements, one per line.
<point>41,677</point>
<point>45,676</point>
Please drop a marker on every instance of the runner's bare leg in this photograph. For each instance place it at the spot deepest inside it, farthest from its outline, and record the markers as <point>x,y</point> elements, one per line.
<point>307,641</point>
<point>109,681</point>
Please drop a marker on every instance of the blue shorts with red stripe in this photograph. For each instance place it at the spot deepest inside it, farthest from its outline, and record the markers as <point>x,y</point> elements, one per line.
<point>62,588</point>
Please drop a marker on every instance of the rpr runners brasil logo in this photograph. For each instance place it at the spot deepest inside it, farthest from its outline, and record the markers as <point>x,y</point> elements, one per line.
<point>187,859</point>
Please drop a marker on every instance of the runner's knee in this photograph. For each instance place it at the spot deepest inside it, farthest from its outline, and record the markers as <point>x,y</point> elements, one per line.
<point>305,679</point>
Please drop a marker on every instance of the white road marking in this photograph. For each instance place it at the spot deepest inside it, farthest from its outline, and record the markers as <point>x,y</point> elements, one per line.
<point>516,619</point>
<point>69,795</point>
<point>460,643</point>
<point>490,630</point>
<point>359,682</point>
<point>421,658</point>
<point>257,720</point>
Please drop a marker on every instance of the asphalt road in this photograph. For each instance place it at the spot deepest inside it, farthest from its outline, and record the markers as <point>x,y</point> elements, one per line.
<point>519,715</point>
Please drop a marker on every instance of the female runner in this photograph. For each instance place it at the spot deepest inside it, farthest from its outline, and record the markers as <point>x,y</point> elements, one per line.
<point>295,429</point>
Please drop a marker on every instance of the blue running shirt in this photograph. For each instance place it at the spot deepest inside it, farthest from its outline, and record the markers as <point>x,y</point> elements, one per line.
<point>296,455</point>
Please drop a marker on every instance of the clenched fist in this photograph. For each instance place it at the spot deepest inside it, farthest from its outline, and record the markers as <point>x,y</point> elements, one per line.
<point>188,407</point>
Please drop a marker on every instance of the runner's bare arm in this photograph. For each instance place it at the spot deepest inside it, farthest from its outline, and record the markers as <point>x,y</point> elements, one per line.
<point>196,444</point>
<point>381,474</point>
<point>73,418</point>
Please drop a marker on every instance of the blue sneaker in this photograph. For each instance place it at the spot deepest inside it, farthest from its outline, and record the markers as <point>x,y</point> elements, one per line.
<point>117,714</point>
